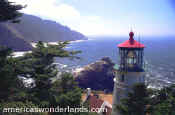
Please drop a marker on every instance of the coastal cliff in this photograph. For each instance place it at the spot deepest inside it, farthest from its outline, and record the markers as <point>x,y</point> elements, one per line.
<point>32,29</point>
<point>97,76</point>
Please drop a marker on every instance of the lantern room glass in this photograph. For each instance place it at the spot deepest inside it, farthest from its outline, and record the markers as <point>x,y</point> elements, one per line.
<point>131,59</point>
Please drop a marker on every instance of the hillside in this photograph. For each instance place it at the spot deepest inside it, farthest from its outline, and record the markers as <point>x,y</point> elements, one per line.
<point>12,40</point>
<point>32,28</point>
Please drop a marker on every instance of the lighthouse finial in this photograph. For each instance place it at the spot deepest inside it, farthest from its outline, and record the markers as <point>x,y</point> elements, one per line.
<point>131,37</point>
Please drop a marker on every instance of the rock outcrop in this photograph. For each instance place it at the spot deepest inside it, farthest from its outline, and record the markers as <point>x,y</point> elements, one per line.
<point>97,76</point>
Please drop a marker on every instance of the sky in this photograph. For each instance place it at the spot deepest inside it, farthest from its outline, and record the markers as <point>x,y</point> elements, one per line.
<point>108,17</point>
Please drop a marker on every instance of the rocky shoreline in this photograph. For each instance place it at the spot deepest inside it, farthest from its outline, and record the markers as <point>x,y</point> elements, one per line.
<point>97,76</point>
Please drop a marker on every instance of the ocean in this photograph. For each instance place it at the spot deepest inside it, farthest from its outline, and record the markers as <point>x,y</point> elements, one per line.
<point>159,55</point>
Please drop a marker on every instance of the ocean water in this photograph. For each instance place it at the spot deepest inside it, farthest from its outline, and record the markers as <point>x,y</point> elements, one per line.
<point>159,55</point>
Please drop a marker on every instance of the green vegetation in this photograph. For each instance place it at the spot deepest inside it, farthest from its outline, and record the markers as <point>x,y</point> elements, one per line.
<point>163,103</point>
<point>44,93</point>
<point>9,11</point>
<point>8,76</point>
<point>38,65</point>
<point>143,101</point>
<point>136,102</point>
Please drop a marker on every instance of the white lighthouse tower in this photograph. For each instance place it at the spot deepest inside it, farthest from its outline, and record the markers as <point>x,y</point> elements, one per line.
<point>129,71</point>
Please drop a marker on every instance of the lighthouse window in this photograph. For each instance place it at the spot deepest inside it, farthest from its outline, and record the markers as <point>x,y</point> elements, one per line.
<point>131,58</point>
<point>123,78</point>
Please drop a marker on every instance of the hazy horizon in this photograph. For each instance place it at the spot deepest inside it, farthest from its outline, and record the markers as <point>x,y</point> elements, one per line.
<point>108,18</point>
<point>137,37</point>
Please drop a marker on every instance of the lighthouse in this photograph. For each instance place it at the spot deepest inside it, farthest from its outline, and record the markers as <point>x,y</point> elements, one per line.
<point>129,71</point>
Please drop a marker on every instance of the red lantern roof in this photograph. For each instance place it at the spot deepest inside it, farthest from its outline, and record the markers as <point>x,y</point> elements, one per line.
<point>131,43</point>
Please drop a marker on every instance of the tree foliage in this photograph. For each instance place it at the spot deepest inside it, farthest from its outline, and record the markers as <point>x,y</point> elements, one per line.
<point>39,66</point>
<point>9,11</point>
<point>136,102</point>
<point>163,102</point>
<point>142,101</point>
<point>7,73</point>
<point>63,92</point>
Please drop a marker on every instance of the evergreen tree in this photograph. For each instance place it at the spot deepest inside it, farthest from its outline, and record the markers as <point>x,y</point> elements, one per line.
<point>65,92</point>
<point>163,102</point>
<point>8,77</point>
<point>9,11</point>
<point>39,66</point>
<point>7,74</point>
<point>143,101</point>
<point>137,101</point>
